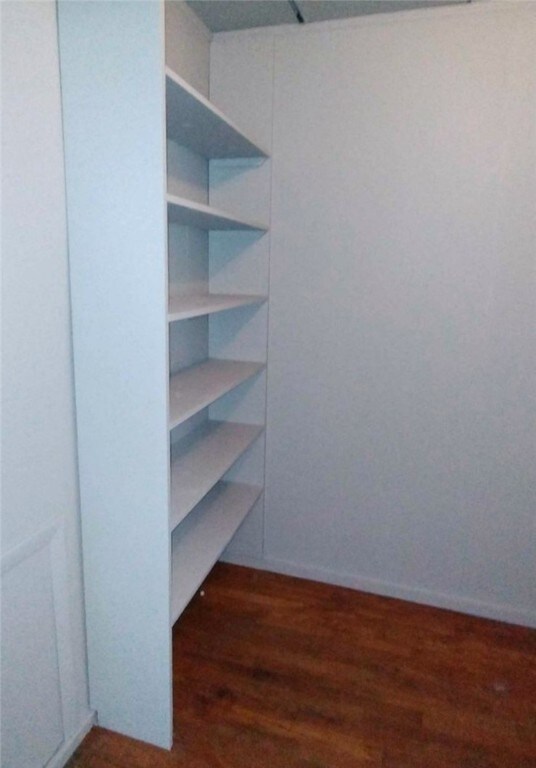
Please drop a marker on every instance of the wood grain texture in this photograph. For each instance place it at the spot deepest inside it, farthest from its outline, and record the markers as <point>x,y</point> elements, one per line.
<point>276,672</point>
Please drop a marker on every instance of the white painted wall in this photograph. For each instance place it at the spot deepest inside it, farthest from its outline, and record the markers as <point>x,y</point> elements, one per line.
<point>44,689</point>
<point>401,382</point>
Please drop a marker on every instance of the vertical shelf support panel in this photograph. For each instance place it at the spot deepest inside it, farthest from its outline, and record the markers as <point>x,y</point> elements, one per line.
<point>113,90</point>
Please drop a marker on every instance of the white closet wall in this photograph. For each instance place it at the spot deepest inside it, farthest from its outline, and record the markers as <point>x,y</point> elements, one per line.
<point>44,705</point>
<point>401,411</point>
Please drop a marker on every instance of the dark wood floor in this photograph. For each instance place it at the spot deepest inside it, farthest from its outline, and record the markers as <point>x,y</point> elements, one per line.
<point>275,672</point>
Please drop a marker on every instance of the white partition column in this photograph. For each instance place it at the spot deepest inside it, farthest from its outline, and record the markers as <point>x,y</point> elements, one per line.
<point>113,91</point>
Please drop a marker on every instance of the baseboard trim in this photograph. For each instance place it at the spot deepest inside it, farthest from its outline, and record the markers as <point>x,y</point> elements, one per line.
<point>68,748</point>
<point>496,612</point>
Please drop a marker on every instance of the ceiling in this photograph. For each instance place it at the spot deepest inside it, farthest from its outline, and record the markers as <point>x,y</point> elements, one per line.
<point>224,15</point>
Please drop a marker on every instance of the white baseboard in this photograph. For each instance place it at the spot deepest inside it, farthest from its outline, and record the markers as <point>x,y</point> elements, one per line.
<point>68,748</point>
<point>497,612</point>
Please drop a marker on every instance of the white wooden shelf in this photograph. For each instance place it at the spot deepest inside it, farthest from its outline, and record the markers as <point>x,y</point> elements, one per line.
<point>192,214</point>
<point>199,541</point>
<point>200,459</point>
<point>191,120</point>
<point>183,307</point>
<point>196,387</point>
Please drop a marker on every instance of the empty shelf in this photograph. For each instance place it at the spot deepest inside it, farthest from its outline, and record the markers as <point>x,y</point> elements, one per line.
<point>189,213</point>
<point>197,124</point>
<point>183,307</point>
<point>199,541</point>
<point>200,459</point>
<point>194,388</point>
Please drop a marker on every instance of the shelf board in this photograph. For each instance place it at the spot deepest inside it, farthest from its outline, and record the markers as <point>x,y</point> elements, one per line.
<point>196,387</point>
<point>194,122</point>
<point>200,459</point>
<point>192,214</point>
<point>183,307</point>
<point>199,541</point>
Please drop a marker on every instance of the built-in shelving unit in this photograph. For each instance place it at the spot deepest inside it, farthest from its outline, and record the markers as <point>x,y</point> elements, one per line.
<point>196,387</point>
<point>201,538</point>
<point>201,458</point>
<point>184,307</point>
<point>205,511</point>
<point>192,121</point>
<point>192,214</point>
<point>170,445</point>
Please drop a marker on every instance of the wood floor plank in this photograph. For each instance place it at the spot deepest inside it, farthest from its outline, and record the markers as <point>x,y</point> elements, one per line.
<point>276,672</point>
